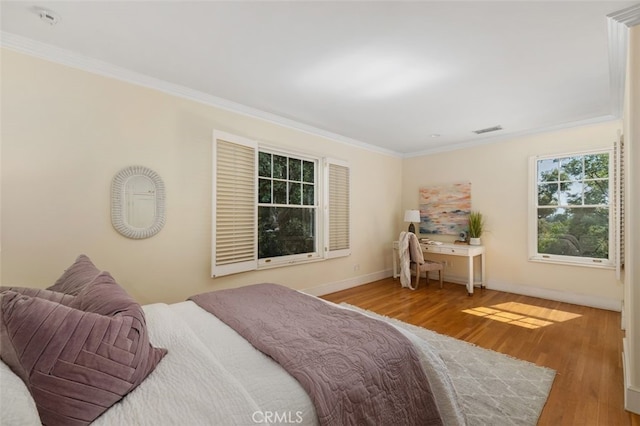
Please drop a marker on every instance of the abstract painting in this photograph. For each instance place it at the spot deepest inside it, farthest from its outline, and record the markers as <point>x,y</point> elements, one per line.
<point>444,209</point>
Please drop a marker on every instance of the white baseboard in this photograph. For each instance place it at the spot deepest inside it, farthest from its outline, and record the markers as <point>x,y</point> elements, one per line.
<point>543,293</point>
<point>631,393</point>
<point>327,288</point>
<point>559,296</point>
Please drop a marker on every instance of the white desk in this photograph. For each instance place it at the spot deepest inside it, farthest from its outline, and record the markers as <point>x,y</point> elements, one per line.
<point>470,252</point>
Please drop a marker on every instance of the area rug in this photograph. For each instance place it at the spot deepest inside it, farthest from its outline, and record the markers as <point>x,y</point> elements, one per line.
<point>493,388</point>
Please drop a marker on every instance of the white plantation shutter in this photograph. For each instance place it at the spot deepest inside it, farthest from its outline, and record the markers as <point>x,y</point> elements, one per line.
<point>234,246</point>
<point>619,200</point>
<point>338,206</point>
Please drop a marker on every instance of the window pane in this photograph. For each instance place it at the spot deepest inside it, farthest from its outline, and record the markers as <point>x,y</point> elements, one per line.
<point>596,166</point>
<point>581,232</point>
<point>279,192</point>
<point>279,167</point>
<point>308,197</point>
<point>571,168</point>
<point>295,169</point>
<point>548,170</point>
<point>548,194</point>
<point>308,171</point>
<point>264,164</point>
<point>571,194</point>
<point>284,231</point>
<point>264,190</point>
<point>596,192</point>
<point>295,193</point>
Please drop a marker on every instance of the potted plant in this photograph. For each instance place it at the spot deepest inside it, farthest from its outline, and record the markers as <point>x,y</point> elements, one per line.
<point>476,226</point>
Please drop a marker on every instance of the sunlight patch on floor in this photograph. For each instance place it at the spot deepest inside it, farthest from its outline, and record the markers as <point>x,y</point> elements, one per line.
<point>523,315</point>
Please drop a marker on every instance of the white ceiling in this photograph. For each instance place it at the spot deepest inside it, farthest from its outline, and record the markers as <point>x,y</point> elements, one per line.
<point>385,74</point>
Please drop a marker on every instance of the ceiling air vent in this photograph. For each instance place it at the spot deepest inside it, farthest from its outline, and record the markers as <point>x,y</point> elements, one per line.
<point>48,16</point>
<point>487,130</point>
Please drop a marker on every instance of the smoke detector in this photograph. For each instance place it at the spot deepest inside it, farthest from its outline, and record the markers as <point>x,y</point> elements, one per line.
<point>48,16</point>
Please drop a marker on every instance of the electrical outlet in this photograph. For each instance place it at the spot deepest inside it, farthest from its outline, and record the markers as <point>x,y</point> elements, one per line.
<point>356,267</point>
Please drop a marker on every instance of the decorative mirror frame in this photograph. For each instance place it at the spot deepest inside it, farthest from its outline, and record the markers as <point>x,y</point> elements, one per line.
<point>118,188</point>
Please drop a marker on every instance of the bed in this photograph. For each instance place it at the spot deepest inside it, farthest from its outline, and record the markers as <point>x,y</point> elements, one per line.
<point>197,369</point>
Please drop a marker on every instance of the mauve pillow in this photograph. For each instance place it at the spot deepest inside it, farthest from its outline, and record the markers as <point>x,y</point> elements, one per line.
<point>104,296</point>
<point>76,277</point>
<point>53,296</point>
<point>77,364</point>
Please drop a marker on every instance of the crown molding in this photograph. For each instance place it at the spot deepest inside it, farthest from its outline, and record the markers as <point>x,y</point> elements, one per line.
<point>618,24</point>
<point>71,59</point>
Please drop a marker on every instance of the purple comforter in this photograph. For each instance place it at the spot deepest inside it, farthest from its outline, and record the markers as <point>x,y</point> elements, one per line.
<point>356,369</point>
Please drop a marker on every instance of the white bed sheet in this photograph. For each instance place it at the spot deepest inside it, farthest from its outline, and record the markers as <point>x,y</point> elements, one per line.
<point>213,376</point>
<point>17,407</point>
<point>270,386</point>
<point>188,387</point>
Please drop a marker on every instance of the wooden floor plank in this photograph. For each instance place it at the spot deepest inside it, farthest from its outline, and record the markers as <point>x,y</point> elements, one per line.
<point>582,344</point>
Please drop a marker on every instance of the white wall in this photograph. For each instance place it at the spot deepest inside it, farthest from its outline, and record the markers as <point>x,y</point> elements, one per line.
<point>632,269</point>
<point>499,175</point>
<point>66,133</point>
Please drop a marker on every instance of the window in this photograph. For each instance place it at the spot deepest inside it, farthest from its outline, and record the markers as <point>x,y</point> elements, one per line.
<point>275,208</point>
<point>571,218</point>
<point>287,206</point>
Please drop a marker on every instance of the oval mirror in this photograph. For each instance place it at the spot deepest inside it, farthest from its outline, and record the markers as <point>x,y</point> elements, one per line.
<point>137,202</point>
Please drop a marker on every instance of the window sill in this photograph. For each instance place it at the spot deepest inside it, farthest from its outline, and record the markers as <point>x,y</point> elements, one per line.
<point>558,260</point>
<point>278,264</point>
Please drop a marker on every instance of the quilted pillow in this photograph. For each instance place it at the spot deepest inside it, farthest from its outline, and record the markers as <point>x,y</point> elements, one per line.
<point>77,363</point>
<point>76,277</point>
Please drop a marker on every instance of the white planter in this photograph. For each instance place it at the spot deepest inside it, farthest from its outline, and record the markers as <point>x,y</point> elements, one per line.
<point>475,242</point>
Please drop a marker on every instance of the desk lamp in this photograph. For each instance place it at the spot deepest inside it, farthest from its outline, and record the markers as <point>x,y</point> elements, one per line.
<point>412,216</point>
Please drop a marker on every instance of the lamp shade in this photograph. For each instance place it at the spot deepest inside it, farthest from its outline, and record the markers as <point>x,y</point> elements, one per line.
<point>412,216</point>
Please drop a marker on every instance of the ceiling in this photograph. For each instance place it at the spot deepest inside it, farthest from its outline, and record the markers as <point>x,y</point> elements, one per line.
<point>399,77</point>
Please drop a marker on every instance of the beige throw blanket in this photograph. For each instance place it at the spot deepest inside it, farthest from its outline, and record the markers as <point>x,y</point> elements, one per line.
<point>405,258</point>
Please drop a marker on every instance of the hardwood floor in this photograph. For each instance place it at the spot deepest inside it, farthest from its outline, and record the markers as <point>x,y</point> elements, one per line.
<point>582,344</point>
